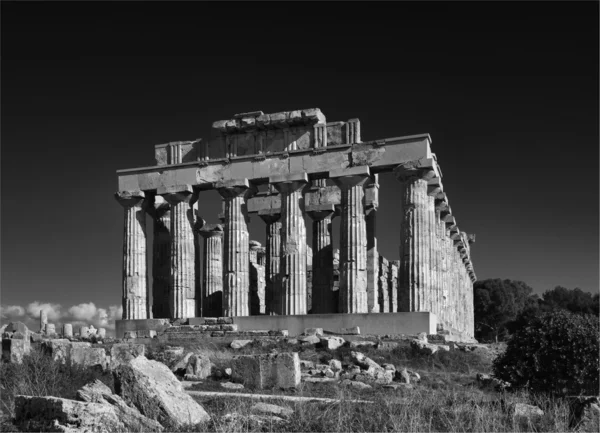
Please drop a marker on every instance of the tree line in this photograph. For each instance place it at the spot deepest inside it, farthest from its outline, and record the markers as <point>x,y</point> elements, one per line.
<point>504,306</point>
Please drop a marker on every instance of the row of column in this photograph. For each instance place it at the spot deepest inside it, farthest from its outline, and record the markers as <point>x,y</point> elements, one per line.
<point>431,277</point>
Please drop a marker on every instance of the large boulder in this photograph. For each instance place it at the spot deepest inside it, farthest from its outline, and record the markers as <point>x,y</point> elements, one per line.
<point>155,391</point>
<point>59,414</point>
<point>98,392</point>
<point>280,370</point>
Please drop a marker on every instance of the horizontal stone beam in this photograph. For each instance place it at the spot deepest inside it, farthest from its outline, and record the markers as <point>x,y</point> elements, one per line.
<point>380,156</point>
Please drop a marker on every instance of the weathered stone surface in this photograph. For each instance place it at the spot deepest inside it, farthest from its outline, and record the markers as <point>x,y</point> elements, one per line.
<point>355,330</point>
<point>155,391</point>
<point>68,330</point>
<point>84,355</point>
<point>17,327</point>
<point>335,365</point>
<point>161,257</point>
<point>267,371</point>
<point>525,412</point>
<point>124,352</point>
<point>57,350</point>
<point>425,348</point>
<point>199,366</point>
<point>13,349</point>
<point>354,384</point>
<point>311,339</point>
<point>323,300</point>
<point>370,370</point>
<point>332,343</point>
<point>230,385</point>
<point>238,344</point>
<point>313,331</point>
<point>133,420</point>
<point>59,414</point>
<point>355,344</point>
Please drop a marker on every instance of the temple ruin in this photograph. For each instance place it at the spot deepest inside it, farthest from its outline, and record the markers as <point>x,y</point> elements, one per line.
<point>281,167</point>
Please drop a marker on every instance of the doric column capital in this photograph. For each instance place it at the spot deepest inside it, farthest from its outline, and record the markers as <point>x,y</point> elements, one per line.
<point>289,183</point>
<point>159,208</point>
<point>320,211</point>
<point>419,169</point>
<point>351,176</point>
<point>130,198</point>
<point>270,216</point>
<point>234,188</point>
<point>211,231</point>
<point>178,194</point>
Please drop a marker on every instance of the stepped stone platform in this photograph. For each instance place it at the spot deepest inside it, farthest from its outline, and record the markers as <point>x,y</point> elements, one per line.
<point>372,324</point>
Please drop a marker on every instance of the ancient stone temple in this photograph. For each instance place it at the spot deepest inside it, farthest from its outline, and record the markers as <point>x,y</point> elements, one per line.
<point>281,167</point>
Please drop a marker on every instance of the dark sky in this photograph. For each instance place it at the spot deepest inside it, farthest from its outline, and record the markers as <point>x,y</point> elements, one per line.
<point>508,92</point>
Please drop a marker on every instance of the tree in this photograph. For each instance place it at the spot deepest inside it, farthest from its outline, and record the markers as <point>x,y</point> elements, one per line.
<point>497,303</point>
<point>576,301</point>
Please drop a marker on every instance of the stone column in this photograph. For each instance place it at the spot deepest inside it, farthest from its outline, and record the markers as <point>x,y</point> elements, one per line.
<point>67,330</point>
<point>353,239</point>
<point>293,243</point>
<point>212,270</point>
<point>414,279</point>
<point>182,282</point>
<point>161,258</point>
<point>236,277</point>
<point>371,205</point>
<point>257,280</point>
<point>135,278</point>
<point>322,259</point>
<point>273,260</point>
<point>43,320</point>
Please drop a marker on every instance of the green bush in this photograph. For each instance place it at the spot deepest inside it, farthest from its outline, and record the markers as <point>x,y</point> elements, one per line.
<point>556,353</point>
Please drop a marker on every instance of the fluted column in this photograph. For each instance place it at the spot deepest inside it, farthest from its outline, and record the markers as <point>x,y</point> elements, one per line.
<point>236,277</point>
<point>322,259</point>
<point>135,278</point>
<point>212,270</point>
<point>353,239</point>
<point>293,243</point>
<point>182,294</point>
<point>415,246</point>
<point>273,261</point>
<point>371,205</point>
<point>161,258</point>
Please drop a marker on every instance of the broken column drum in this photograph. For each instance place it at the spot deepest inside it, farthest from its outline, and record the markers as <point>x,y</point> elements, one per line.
<point>263,164</point>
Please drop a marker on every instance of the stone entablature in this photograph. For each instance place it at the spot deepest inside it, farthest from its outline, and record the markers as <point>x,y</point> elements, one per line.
<point>294,153</point>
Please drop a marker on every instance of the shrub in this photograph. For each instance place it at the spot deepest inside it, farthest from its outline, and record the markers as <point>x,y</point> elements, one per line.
<point>557,353</point>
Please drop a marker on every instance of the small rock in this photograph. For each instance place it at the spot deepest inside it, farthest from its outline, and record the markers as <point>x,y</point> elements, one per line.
<point>391,367</point>
<point>306,364</point>
<point>231,385</point>
<point>271,409</point>
<point>292,341</point>
<point>522,411</point>
<point>335,365</point>
<point>311,339</point>
<point>329,373</point>
<point>332,343</point>
<point>422,336</point>
<point>238,344</point>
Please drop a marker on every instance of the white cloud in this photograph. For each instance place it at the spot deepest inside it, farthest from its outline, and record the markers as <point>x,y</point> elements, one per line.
<point>11,311</point>
<point>52,310</point>
<point>84,314</point>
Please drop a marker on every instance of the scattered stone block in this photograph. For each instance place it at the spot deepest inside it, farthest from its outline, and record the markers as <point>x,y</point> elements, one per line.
<point>230,385</point>
<point>271,409</point>
<point>306,364</point>
<point>292,341</point>
<point>266,371</point>
<point>355,384</point>
<point>422,336</point>
<point>313,331</point>
<point>424,347</point>
<point>357,344</point>
<point>125,352</point>
<point>387,345</point>
<point>199,366</point>
<point>335,365</point>
<point>84,355</point>
<point>332,343</point>
<point>355,330</point>
<point>129,335</point>
<point>525,412</point>
<point>145,333</point>
<point>238,344</point>
<point>57,350</point>
<point>155,391</point>
<point>279,333</point>
<point>14,349</point>
<point>59,414</point>
<point>311,339</point>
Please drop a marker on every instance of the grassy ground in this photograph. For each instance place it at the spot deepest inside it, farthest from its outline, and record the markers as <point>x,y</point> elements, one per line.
<point>447,398</point>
